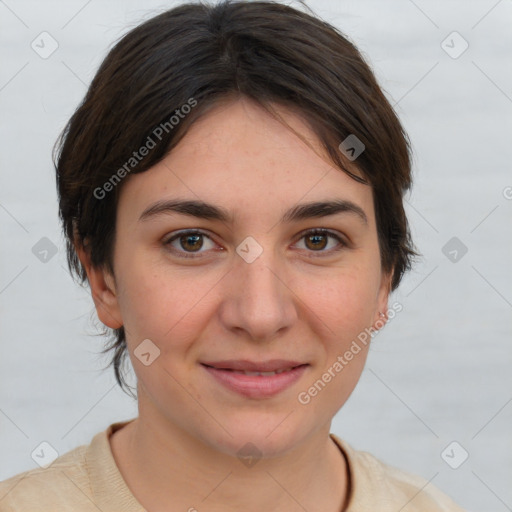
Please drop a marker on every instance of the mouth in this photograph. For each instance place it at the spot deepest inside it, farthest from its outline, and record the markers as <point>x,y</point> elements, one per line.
<point>255,374</point>
<point>270,367</point>
<point>256,380</point>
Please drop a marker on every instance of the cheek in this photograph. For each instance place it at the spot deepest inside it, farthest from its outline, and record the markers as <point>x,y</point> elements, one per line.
<point>345,302</point>
<point>343,313</point>
<point>343,310</point>
<point>161,305</point>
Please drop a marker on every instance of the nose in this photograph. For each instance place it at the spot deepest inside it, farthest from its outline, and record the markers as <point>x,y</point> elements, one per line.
<point>257,299</point>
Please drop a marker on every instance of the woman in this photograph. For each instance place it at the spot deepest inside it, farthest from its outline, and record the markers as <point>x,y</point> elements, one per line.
<point>231,189</point>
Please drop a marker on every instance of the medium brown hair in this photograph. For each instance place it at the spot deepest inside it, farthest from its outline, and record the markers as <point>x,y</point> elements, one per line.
<point>268,52</point>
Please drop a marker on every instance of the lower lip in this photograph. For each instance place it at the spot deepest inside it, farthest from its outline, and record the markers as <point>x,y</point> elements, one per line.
<point>257,386</point>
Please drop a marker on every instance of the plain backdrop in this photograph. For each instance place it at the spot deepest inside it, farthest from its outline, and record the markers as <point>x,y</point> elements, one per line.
<point>438,373</point>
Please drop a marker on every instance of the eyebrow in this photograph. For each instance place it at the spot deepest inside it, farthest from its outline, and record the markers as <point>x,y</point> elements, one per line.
<point>203,210</point>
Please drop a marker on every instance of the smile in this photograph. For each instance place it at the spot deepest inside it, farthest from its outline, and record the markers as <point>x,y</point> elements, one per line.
<point>263,374</point>
<point>256,384</point>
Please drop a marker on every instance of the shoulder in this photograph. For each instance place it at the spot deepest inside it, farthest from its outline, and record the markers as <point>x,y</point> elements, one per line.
<point>64,482</point>
<point>85,479</point>
<point>377,485</point>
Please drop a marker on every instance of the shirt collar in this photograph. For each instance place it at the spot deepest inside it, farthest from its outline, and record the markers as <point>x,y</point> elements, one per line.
<point>109,490</point>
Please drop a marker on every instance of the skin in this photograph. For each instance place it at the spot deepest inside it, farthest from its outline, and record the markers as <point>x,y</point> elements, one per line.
<point>295,301</point>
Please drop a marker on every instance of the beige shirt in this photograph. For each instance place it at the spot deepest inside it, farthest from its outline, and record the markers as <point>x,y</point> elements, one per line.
<point>87,479</point>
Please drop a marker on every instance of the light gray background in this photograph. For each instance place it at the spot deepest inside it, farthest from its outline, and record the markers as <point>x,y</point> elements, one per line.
<point>439,372</point>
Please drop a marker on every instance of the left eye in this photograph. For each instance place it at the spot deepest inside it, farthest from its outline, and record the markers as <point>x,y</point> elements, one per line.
<point>192,242</point>
<point>318,239</point>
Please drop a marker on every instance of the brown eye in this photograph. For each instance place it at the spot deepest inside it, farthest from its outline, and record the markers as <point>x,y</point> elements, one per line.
<point>191,242</point>
<point>318,239</point>
<point>188,243</point>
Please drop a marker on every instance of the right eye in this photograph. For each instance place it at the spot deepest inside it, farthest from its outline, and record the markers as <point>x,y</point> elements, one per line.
<point>189,240</point>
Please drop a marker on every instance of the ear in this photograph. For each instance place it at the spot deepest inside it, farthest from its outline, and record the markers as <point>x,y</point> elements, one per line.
<point>382,301</point>
<point>103,291</point>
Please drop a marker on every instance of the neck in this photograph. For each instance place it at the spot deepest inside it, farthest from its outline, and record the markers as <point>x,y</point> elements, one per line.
<point>163,464</point>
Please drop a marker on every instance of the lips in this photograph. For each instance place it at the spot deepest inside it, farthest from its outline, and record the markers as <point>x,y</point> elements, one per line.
<point>259,374</point>
<point>273,366</point>
<point>252,379</point>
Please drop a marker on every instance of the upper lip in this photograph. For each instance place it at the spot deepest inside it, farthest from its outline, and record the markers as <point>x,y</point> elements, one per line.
<point>254,366</point>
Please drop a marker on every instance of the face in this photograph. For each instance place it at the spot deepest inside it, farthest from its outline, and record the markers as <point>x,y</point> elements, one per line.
<point>259,285</point>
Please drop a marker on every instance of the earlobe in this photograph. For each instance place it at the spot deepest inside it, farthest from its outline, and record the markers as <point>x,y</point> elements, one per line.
<point>381,315</point>
<point>381,321</point>
<point>103,292</point>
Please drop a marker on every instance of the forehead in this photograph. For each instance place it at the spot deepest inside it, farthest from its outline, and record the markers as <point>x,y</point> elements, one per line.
<point>240,157</point>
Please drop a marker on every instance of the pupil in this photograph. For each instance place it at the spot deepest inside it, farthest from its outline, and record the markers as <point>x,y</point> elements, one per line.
<point>316,239</point>
<point>191,237</point>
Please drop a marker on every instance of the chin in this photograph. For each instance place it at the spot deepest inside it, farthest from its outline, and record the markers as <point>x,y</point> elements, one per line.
<point>269,436</point>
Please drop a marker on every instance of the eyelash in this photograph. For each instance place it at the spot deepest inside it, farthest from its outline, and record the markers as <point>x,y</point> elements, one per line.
<point>310,232</point>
